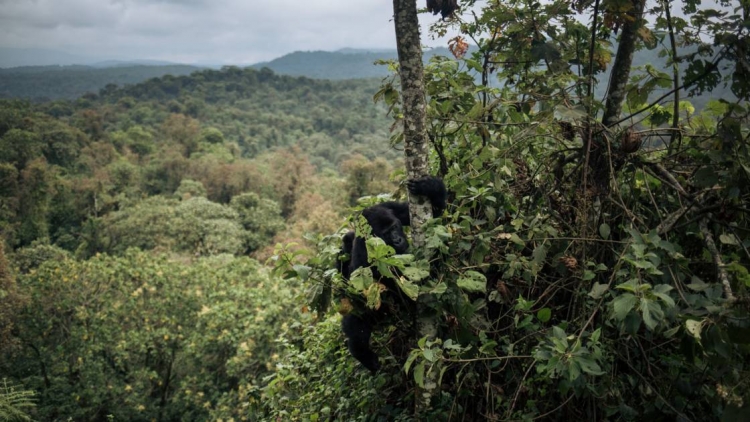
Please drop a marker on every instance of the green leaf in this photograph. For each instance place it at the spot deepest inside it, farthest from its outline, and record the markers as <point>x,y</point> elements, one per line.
<point>598,290</point>
<point>559,333</point>
<point>574,370</point>
<point>361,279</point>
<point>415,274</point>
<point>472,281</point>
<point>630,286</point>
<point>661,290</point>
<point>589,366</point>
<point>303,271</point>
<point>539,254</point>
<point>652,313</point>
<point>419,374</point>
<point>544,314</point>
<point>697,284</point>
<point>488,347</point>
<point>373,295</point>
<point>623,304</point>
<point>429,355</point>
<point>671,332</point>
<point>410,360</point>
<point>595,335</point>
<point>410,289</point>
<point>728,239</point>
<point>517,240</point>
<point>604,231</point>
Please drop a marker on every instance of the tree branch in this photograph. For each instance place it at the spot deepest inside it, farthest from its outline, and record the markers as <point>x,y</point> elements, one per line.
<point>721,273</point>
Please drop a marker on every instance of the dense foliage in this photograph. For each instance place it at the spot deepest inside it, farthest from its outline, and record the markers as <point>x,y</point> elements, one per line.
<point>585,270</point>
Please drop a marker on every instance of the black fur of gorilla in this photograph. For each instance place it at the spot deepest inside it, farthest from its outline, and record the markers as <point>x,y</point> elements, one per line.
<point>387,221</point>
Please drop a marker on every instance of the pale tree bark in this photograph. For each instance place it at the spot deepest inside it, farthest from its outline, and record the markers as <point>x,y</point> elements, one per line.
<point>411,73</point>
<point>413,99</point>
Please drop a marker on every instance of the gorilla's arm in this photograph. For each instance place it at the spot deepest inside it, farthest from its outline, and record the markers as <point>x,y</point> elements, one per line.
<point>358,256</point>
<point>357,332</point>
<point>433,188</point>
<point>430,187</point>
<point>344,266</point>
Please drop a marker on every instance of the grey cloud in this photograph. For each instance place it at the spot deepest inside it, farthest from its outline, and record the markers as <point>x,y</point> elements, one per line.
<point>221,31</point>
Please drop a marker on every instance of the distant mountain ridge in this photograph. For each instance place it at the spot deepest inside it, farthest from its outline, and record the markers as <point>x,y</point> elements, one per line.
<point>347,63</point>
<point>32,57</point>
<point>15,57</point>
<point>70,82</point>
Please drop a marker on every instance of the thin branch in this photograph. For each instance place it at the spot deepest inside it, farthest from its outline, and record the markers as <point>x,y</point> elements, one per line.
<point>720,271</point>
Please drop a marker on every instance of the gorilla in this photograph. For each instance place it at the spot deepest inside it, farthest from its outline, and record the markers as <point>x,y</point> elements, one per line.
<point>387,221</point>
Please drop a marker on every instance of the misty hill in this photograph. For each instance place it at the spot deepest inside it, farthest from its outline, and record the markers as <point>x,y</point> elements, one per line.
<point>69,82</point>
<point>26,57</point>
<point>14,57</point>
<point>347,63</point>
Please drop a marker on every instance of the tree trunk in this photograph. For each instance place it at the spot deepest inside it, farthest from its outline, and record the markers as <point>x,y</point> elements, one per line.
<point>415,144</point>
<point>618,81</point>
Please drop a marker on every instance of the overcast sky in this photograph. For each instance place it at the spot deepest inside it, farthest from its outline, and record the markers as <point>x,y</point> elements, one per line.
<point>199,31</point>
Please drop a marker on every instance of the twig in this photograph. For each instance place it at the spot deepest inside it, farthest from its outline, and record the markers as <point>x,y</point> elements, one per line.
<point>720,271</point>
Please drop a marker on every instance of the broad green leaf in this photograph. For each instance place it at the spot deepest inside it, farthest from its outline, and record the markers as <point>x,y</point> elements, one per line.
<point>517,240</point>
<point>698,285</point>
<point>589,366</point>
<point>439,289</point>
<point>410,289</point>
<point>429,355</point>
<point>623,304</point>
<point>410,360</point>
<point>604,231</point>
<point>559,333</point>
<point>544,314</point>
<point>303,272</point>
<point>630,286</point>
<point>652,313</point>
<point>361,278</point>
<point>661,290</point>
<point>488,347</point>
<point>472,281</point>
<point>419,374</point>
<point>595,335</point>
<point>598,290</point>
<point>728,239</point>
<point>574,370</point>
<point>415,274</point>
<point>671,332</point>
<point>539,254</point>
